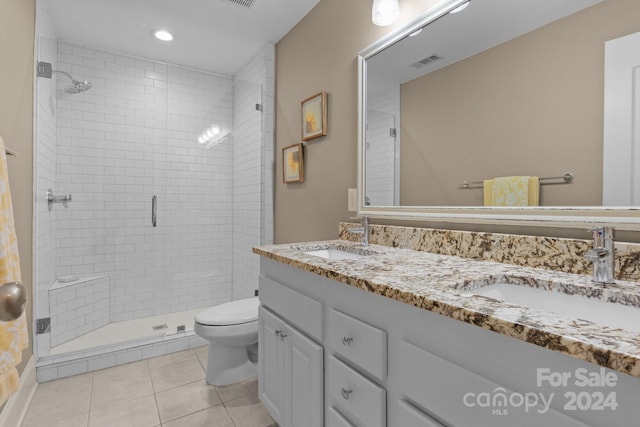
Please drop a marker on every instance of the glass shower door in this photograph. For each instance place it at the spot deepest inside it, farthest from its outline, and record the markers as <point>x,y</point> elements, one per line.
<point>195,195</point>
<point>382,180</point>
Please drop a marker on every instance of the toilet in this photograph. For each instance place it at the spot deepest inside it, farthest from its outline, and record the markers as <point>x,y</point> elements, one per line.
<point>232,331</point>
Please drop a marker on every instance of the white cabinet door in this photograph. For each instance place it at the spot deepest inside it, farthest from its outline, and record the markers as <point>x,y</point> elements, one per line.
<point>291,373</point>
<point>304,378</point>
<point>271,367</point>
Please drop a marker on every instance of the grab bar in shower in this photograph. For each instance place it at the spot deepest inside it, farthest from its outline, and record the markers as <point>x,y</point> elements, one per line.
<point>154,210</point>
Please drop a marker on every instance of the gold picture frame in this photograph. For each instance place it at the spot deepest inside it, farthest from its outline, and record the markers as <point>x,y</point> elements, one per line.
<point>314,116</point>
<point>293,164</point>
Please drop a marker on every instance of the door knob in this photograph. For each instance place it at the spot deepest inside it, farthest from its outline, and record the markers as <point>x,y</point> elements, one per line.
<point>13,298</point>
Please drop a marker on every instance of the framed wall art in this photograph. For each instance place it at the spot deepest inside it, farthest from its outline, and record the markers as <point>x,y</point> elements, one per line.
<point>292,164</point>
<point>314,116</point>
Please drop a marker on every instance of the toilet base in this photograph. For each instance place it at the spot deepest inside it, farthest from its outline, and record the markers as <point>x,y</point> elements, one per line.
<point>228,365</point>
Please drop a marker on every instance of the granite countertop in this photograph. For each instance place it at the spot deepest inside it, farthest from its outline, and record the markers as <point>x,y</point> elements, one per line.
<point>441,284</point>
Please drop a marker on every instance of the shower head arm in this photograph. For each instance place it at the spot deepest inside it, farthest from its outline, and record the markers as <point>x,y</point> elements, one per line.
<point>66,74</point>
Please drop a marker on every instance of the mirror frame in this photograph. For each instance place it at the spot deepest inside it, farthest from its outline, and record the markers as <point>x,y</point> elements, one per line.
<point>624,218</point>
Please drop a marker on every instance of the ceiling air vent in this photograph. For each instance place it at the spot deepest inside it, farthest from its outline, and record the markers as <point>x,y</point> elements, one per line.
<point>426,61</point>
<point>243,3</point>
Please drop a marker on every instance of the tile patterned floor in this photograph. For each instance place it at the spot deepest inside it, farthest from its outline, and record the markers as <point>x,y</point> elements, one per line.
<point>167,391</point>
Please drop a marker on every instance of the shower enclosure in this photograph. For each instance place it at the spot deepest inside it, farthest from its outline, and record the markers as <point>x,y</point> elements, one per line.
<point>169,174</point>
<point>382,154</point>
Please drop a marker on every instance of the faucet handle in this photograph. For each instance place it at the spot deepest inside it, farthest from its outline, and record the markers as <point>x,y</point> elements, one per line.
<point>601,234</point>
<point>600,229</point>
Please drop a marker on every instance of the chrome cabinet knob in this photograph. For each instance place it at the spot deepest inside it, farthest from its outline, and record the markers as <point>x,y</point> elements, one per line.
<point>346,393</point>
<point>347,341</point>
<point>281,334</point>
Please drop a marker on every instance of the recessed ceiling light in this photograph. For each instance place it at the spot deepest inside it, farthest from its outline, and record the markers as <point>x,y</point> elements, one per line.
<point>163,35</point>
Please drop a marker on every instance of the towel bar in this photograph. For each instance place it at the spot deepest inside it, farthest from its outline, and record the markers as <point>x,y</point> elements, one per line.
<point>553,180</point>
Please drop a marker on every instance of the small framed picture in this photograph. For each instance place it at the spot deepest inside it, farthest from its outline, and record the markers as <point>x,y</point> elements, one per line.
<point>314,116</point>
<point>292,164</point>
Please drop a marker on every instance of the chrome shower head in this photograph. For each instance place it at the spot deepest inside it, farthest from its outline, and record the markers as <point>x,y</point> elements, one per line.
<point>77,87</point>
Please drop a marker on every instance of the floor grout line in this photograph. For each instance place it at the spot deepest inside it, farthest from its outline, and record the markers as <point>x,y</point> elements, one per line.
<point>96,382</point>
<point>93,378</point>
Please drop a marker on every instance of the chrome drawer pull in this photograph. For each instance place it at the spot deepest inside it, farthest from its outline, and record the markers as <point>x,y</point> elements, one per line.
<point>347,341</point>
<point>345,393</point>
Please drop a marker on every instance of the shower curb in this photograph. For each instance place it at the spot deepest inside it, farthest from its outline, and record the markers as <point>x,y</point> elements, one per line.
<point>49,369</point>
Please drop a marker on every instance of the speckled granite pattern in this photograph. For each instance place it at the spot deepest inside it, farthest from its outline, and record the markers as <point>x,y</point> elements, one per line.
<point>556,254</point>
<point>441,284</point>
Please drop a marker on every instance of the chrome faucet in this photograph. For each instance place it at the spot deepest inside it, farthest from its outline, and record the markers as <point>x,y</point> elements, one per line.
<point>363,230</point>
<point>51,199</point>
<point>602,254</point>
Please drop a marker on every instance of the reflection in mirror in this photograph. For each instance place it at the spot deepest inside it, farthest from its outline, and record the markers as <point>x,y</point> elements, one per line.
<point>503,88</point>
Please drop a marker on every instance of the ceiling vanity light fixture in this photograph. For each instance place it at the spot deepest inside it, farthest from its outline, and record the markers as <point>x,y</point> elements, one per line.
<point>163,35</point>
<point>385,12</point>
<point>460,8</point>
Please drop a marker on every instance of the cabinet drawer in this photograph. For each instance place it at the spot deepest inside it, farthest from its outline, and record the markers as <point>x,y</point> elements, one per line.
<point>335,419</point>
<point>299,310</point>
<point>409,416</point>
<point>358,342</point>
<point>450,392</point>
<point>362,402</point>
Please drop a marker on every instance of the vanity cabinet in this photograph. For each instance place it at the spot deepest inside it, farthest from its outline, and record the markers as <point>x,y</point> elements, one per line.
<point>291,373</point>
<point>387,363</point>
<point>290,364</point>
<point>359,351</point>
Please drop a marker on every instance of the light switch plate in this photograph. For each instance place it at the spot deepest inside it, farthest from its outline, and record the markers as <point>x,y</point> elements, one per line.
<point>352,199</point>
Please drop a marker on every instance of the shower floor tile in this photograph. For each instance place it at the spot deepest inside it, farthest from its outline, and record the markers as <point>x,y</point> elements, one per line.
<point>167,391</point>
<point>130,330</point>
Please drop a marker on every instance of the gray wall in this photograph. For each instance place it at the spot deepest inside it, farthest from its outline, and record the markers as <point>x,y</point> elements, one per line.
<point>320,54</point>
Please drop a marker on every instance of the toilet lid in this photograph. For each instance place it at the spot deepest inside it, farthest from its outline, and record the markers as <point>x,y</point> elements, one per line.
<point>230,313</point>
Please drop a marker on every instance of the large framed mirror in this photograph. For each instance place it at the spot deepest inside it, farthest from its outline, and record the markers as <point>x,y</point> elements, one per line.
<point>471,94</point>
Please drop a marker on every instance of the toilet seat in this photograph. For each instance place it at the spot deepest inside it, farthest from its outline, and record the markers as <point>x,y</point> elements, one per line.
<point>230,313</point>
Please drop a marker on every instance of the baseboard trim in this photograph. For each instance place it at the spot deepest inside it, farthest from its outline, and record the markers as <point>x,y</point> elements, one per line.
<point>16,407</point>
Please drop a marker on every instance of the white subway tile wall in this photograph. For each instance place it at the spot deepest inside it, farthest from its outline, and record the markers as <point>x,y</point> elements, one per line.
<point>252,134</point>
<point>134,135</point>
<point>44,266</point>
<point>78,308</point>
<point>383,150</point>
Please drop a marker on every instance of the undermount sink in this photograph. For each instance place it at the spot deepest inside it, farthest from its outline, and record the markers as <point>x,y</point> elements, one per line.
<point>336,254</point>
<point>576,306</point>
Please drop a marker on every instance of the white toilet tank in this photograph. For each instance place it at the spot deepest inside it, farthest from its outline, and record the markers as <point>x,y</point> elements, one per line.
<point>230,313</point>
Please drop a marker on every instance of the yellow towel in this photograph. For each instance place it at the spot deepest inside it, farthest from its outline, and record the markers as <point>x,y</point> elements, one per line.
<point>13,335</point>
<point>512,191</point>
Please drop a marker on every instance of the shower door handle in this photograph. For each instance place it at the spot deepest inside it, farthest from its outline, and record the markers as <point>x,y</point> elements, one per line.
<point>154,210</point>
